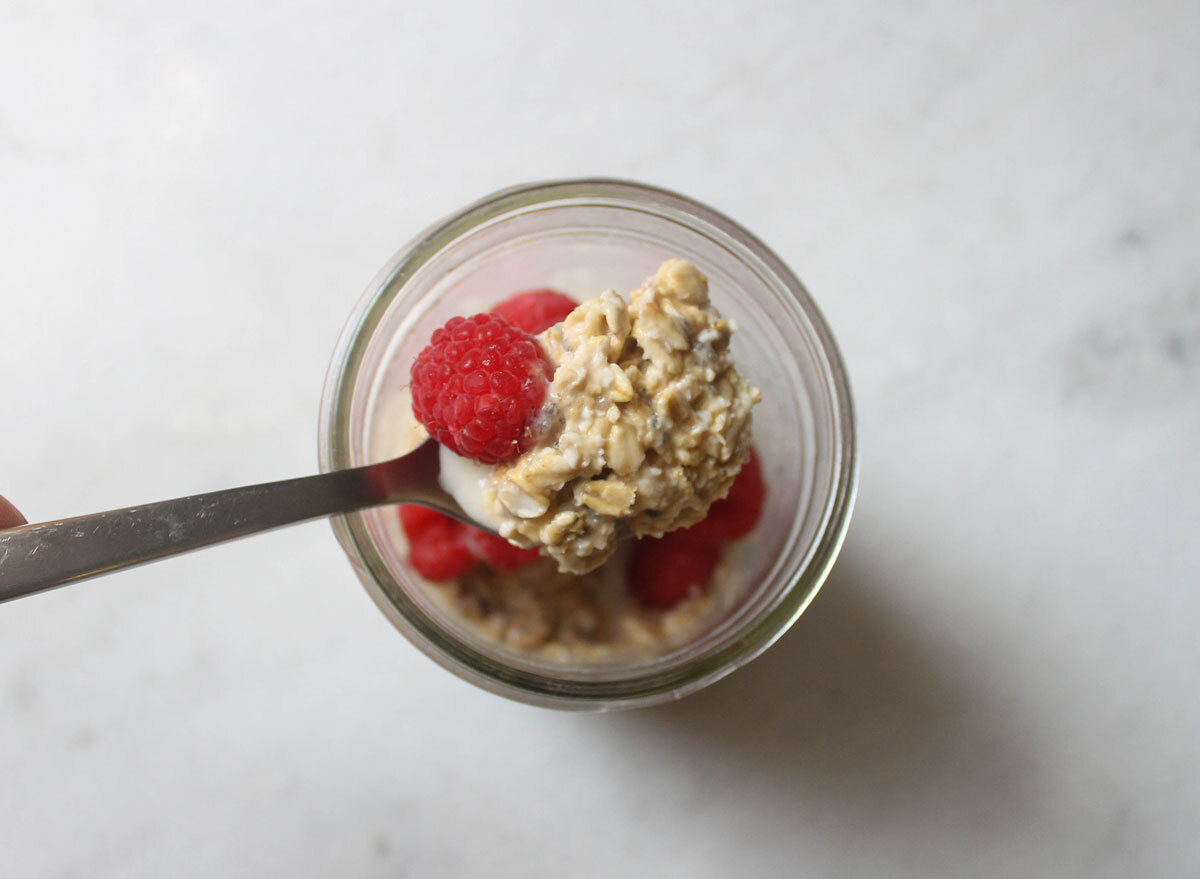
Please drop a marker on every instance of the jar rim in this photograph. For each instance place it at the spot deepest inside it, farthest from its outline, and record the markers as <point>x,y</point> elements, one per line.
<point>441,645</point>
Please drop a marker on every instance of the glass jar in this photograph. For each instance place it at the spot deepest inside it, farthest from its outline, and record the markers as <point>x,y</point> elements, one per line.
<point>585,236</point>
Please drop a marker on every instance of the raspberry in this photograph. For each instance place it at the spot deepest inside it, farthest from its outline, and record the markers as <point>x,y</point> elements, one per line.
<point>496,551</point>
<point>736,514</point>
<point>478,386</point>
<point>436,549</point>
<point>442,548</point>
<point>536,310</point>
<point>666,570</point>
<point>417,519</point>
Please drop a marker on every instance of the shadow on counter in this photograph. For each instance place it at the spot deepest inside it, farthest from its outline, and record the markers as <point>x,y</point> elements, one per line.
<point>861,708</point>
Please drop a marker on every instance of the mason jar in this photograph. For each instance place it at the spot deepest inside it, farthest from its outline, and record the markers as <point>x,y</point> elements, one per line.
<point>586,236</point>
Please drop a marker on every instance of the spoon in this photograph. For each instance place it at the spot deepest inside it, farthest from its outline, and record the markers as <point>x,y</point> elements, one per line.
<point>37,557</point>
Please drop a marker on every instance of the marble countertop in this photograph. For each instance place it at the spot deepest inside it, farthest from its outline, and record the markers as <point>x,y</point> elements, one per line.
<point>999,214</point>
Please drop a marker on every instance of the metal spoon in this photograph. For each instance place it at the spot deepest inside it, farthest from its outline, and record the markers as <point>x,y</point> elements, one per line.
<point>37,557</point>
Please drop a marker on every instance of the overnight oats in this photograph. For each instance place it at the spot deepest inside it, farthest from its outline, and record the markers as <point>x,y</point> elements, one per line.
<point>608,442</point>
<point>661,526</point>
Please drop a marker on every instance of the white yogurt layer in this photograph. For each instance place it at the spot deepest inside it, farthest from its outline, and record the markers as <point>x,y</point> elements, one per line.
<point>467,482</point>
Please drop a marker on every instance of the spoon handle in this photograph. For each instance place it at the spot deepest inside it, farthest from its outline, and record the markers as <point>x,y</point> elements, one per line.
<point>37,557</point>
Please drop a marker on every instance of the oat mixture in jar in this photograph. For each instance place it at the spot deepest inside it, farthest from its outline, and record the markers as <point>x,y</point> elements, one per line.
<point>537,609</point>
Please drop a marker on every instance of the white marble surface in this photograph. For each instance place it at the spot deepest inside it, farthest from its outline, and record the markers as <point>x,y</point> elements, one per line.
<point>998,212</point>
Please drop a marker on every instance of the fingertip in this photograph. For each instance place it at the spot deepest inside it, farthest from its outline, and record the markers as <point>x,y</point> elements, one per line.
<point>10,516</point>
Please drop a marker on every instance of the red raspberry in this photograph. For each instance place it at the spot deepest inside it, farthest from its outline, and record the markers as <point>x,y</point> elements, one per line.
<point>736,514</point>
<point>417,519</point>
<point>666,570</point>
<point>536,310</point>
<point>442,548</point>
<point>478,386</point>
<point>435,543</point>
<point>496,551</point>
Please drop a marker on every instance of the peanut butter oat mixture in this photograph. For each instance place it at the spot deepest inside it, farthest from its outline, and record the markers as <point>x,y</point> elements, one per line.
<point>647,423</point>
